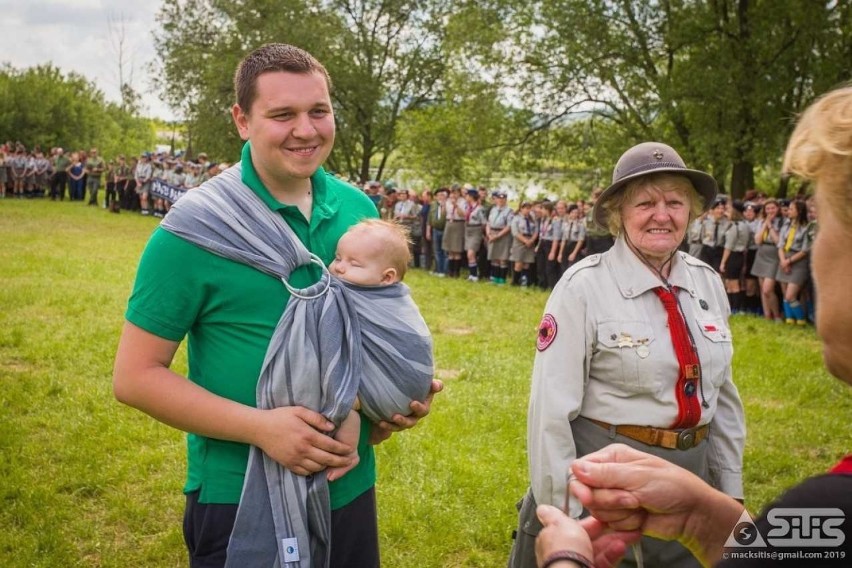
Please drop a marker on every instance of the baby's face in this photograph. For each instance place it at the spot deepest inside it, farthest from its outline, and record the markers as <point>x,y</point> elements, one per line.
<point>360,260</point>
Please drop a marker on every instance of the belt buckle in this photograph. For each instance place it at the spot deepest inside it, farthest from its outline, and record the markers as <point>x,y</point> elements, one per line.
<point>686,439</point>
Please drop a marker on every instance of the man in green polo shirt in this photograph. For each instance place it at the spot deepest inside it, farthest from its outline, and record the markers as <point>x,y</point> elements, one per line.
<point>228,311</point>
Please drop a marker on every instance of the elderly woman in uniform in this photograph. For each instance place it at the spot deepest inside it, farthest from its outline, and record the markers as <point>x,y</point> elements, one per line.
<point>793,271</point>
<point>524,235</point>
<point>498,233</point>
<point>634,347</point>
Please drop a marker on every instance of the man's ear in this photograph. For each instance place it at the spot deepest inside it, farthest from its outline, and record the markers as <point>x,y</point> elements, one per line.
<point>389,276</point>
<point>241,121</point>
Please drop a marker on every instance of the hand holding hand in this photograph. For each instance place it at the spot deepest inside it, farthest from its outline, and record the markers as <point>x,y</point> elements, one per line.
<point>587,537</point>
<point>629,490</point>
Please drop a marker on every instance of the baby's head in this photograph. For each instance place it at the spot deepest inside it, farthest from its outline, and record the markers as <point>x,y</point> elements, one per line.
<point>372,253</point>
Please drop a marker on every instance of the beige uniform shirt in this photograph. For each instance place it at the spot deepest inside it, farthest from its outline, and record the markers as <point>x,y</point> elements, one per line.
<point>590,368</point>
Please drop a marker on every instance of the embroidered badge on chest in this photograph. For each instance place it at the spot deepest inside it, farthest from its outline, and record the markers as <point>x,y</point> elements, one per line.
<point>546,332</point>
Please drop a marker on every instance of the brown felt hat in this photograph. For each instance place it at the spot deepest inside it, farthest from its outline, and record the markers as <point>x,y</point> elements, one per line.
<point>651,158</point>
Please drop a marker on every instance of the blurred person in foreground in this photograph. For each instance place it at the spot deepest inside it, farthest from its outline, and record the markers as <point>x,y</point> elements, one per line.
<point>630,490</point>
<point>634,347</point>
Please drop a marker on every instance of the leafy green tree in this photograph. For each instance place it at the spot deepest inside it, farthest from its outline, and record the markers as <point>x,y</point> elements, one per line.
<point>41,106</point>
<point>384,57</point>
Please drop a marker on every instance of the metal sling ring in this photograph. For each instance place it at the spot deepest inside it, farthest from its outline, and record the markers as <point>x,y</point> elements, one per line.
<point>326,277</point>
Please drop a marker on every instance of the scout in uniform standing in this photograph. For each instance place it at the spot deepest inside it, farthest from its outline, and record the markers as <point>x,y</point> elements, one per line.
<point>713,234</point>
<point>573,237</point>
<point>734,244</point>
<point>524,235</point>
<point>454,231</point>
<point>474,230</point>
<point>498,234</point>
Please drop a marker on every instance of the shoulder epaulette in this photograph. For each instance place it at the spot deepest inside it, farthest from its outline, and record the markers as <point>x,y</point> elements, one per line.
<point>692,261</point>
<point>588,262</point>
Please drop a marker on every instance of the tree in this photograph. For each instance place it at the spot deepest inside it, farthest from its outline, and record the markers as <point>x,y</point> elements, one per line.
<point>717,79</point>
<point>384,57</point>
<point>71,113</point>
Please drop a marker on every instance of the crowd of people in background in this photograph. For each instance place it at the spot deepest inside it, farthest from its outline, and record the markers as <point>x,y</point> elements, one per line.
<point>127,183</point>
<point>759,245</point>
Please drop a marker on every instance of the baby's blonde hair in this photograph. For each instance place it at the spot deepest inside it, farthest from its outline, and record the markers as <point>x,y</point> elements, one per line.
<point>395,241</point>
<point>820,149</point>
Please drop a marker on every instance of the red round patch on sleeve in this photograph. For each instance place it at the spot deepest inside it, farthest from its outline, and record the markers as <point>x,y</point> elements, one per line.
<point>546,332</point>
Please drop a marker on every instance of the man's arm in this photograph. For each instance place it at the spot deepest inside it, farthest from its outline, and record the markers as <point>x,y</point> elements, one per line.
<point>295,437</point>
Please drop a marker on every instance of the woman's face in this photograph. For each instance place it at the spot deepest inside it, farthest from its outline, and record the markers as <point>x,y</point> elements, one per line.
<point>831,263</point>
<point>792,211</point>
<point>655,221</point>
<point>771,210</point>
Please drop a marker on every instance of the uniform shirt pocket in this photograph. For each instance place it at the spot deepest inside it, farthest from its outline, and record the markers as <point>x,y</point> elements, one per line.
<point>624,356</point>
<point>716,350</point>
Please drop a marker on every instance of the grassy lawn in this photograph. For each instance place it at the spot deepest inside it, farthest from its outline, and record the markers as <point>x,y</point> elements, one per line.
<point>89,482</point>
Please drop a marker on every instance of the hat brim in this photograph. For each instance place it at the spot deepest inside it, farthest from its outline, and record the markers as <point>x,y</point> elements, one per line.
<point>703,182</point>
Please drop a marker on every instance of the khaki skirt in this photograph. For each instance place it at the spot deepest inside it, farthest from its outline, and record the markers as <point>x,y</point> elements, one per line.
<point>498,251</point>
<point>454,237</point>
<point>521,252</point>
<point>799,273</point>
<point>766,261</point>
<point>473,237</point>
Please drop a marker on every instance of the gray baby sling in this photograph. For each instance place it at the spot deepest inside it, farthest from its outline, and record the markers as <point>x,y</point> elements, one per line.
<point>334,341</point>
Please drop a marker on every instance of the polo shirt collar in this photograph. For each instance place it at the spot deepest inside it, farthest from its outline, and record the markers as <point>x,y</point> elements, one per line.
<point>325,202</point>
<point>634,278</point>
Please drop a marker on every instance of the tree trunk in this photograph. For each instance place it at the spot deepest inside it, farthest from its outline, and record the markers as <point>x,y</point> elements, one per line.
<point>742,178</point>
<point>783,184</point>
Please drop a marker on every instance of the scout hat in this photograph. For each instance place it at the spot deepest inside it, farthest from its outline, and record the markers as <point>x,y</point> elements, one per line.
<point>650,158</point>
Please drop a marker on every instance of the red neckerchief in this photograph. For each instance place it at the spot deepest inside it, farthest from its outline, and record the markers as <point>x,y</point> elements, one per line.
<point>686,387</point>
<point>844,467</point>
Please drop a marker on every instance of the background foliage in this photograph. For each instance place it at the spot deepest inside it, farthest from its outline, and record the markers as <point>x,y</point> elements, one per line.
<point>42,106</point>
<point>443,91</point>
<point>90,482</point>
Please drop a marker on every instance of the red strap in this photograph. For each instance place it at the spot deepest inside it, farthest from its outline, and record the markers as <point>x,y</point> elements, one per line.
<point>686,388</point>
<point>845,466</point>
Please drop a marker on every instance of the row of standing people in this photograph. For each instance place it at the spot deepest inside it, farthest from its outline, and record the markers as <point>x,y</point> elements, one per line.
<point>761,250</point>
<point>458,228</point>
<point>759,247</point>
<point>127,183</point>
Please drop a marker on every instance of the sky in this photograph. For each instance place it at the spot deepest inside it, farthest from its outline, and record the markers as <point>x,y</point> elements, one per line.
<point>77,36</point>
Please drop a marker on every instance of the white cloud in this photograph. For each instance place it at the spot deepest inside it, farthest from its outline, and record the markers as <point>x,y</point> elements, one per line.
<point>77,36</point>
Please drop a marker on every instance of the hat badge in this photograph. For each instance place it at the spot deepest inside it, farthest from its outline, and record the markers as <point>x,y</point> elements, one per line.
<point>658,154</point>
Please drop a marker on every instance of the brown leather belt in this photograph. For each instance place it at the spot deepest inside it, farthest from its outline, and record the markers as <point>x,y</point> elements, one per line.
<point>672,439</point>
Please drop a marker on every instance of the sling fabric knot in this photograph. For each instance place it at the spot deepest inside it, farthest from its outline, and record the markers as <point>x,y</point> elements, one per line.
<point>334,341</point>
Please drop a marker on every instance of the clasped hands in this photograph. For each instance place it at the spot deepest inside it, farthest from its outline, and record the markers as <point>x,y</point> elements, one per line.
<point>630,493</point>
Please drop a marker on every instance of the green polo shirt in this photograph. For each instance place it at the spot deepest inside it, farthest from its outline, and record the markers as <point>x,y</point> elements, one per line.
<point>228,311</point>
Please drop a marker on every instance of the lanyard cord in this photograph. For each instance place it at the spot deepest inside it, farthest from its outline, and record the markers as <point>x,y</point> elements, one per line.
<point>669,287</point>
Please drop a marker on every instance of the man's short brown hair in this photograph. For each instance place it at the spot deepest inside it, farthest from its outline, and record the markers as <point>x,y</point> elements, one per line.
<point>269,58</point>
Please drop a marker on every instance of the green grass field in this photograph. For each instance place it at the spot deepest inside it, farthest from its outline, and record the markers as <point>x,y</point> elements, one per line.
<point>85,481</point>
